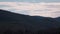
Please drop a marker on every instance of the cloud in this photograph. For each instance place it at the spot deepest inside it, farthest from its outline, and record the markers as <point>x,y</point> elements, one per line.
<point>31,1</point>
<point>41,9</point>
<point>31,6</point>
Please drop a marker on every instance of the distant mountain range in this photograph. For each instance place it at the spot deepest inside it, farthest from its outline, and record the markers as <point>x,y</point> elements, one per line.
<point>13,21</point>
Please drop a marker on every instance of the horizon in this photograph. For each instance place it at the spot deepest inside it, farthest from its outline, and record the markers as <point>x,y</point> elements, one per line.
<point>48,8</point>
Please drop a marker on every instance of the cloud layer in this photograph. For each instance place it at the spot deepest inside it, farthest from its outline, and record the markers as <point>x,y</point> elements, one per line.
<point>35,1</point>
<point>41,9</point>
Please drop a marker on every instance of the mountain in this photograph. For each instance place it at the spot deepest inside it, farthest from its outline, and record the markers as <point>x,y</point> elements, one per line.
<point>10,21</point>
<point>57,19</point>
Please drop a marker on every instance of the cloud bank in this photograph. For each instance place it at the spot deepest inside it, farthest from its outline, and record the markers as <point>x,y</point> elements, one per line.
<point>31,1</point>
<point>40,9</point>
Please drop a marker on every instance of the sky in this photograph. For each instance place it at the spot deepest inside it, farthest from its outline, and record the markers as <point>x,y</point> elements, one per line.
<point>29,0</point>
<point>46,8</point>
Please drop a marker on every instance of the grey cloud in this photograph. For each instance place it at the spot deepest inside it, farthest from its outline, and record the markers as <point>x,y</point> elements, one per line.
<point>30,1</point>
<point>4,6</point>
<point>26,12</point>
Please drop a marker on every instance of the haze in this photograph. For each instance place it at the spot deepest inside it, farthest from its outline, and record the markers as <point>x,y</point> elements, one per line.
<point>41,9</point>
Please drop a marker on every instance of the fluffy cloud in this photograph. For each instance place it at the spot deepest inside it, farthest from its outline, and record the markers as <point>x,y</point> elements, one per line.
<point>41,9</point>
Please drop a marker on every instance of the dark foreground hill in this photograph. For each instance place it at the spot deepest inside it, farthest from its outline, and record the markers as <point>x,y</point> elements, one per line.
<point>13,23</point>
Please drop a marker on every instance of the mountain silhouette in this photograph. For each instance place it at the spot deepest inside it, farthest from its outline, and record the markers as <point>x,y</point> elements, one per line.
<point>57,19</point>
<point>14,22</point>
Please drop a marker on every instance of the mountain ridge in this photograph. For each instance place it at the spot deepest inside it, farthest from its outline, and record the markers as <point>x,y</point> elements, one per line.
<point>30,23</point>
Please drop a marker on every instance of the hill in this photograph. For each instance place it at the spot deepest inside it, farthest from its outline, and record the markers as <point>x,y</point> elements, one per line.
<point>13,22</point>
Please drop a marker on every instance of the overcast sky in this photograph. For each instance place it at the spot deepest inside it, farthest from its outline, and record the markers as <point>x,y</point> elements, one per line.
<point>30,0</point>
<point>33,7</point>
